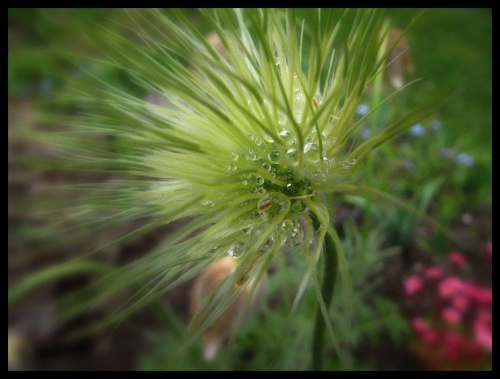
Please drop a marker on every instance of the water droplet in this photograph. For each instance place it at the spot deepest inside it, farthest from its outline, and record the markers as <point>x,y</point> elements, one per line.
<point>208,203</point>
<point>277,60</point>
<point>261,190</point>
<point>311,147</point>
<point>245,182</point>
<point>259,180</point>
<point>268,138</point>
<point>232,167</point>
<point>282,119</point>
<point>286,136</point>
<point>297,237</point>
<point>347,164</point>
<point>287,225</point>
<point>235,250</point>
<point>292,154</point>
<point>235,156</point>
<point>274,156</point>
<point>251,155</point>
<point>258,140</point>
<point>290,187</point>
<point>266,166</point>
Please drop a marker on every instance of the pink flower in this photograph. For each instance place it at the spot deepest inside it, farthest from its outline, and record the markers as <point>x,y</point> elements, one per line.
<point>451,316</point>
<point>426,333</point>
<point>487,251</point>
<point>452,344</point>
<point>460,302</point>
<point>484,338</point>
<point>430,336</point>
<point>482,329</point>
<point>434,273</point>
<point>481,295</point>
<point>457,259</point>
<point>472,349</point>
<point>483,316</point>
<point>419,325</point>
<point>413,284</point>
<point>450,286</point>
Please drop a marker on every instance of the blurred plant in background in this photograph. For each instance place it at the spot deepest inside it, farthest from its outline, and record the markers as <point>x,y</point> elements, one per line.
<point>453,329</point>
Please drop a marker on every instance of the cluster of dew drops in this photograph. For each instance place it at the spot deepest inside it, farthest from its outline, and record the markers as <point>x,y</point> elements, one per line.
<point>282,165</point>
<point>288,233</point>
<point>288,158</point>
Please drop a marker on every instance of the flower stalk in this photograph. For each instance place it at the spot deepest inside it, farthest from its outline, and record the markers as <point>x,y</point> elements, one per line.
<point>330,270</point>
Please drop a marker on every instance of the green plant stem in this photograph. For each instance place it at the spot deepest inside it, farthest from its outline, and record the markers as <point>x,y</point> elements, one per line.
<point>328,286</point>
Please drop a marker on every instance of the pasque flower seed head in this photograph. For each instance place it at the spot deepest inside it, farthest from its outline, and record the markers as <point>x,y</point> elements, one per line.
<point>243,142</point>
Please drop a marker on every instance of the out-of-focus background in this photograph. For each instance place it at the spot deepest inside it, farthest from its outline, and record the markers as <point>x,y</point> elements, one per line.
<point>420,301</point>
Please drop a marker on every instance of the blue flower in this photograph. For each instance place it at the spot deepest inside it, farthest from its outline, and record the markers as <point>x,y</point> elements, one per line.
<point>408,165</point>
<point>362,109</point>
<point>365,133</point>
<point>446,153</point>
<point>417,130</point>
<point>435,125</point>
<point>464,159</point>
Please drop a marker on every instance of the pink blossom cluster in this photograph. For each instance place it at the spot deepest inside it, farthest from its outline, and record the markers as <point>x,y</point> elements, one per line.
<point>460,326</point>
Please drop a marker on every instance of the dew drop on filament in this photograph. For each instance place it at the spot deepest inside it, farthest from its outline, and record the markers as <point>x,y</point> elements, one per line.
<point>274,156</point>
<point>235,250</point>
<point>286,136</point>
<point>208,203</point>
<point>292,153</point>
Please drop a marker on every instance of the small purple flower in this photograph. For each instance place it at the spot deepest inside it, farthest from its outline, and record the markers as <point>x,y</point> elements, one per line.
<point>362,109</point>
<point>365,133</point>
<point>464,159</point>
<point>417,130</point>
<point>435,125</point>
<point>446,153</point>
<point>408,165</point>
